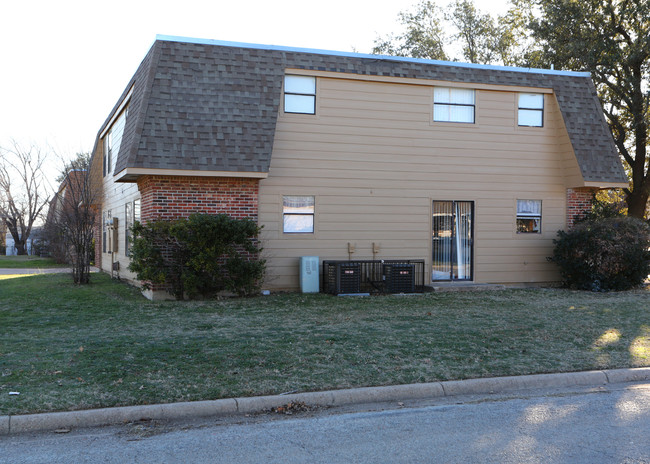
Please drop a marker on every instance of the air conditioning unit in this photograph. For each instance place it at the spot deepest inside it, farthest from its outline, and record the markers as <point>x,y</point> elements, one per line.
<point>348,278</point>
<point>399,278</point>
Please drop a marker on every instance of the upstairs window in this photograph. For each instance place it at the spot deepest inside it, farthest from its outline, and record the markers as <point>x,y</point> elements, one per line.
<point>531,109</point>
<point>453,105</point>
<point>298,214</point>
<point>113,141</point>
<point>300,94</point>
<point>529,216</point>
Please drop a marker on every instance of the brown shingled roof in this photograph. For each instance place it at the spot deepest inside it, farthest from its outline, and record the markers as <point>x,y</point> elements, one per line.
<point>213,107</point>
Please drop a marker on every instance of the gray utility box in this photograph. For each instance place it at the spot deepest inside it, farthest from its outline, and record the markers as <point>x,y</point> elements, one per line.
<point>309,274</point>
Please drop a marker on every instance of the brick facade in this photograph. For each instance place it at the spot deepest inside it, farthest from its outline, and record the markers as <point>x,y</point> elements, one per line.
<point>578,202</point>
<point>170,197</point>
<point>173,197</point>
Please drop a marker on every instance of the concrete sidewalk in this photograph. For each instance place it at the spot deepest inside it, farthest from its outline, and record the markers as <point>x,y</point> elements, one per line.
<point>234,406</point>
<point>49,270</point>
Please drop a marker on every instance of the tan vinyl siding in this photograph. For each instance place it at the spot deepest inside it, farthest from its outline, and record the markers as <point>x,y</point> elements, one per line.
<point>374,160</point>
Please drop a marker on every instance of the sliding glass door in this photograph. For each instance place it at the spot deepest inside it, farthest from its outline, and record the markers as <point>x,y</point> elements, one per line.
<point>452,240</point>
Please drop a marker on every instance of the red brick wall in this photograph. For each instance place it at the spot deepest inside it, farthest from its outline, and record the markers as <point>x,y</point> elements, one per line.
<point>169,197</point>
<point>578,202</point>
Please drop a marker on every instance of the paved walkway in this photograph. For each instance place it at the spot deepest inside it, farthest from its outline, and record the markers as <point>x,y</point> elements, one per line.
<point>49,270</point>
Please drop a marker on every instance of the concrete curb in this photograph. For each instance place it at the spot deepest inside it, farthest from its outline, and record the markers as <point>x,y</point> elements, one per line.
<point>230,406</point>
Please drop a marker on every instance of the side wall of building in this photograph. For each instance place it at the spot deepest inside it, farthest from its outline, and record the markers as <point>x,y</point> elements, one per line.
<point>171,197</point>
<point>375,161</point>
<point>116,197</point>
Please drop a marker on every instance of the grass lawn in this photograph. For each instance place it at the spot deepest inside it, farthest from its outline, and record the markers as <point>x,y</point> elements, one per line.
<point>65,347</point>
<point>28,262</point>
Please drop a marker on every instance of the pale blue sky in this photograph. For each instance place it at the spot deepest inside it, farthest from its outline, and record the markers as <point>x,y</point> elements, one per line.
<point>66,62</point>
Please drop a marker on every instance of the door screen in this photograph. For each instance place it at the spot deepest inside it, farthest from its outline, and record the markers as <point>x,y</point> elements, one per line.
<point>452,240</point>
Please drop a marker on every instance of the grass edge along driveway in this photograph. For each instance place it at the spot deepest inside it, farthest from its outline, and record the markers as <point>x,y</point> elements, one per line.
<point>65,347</point>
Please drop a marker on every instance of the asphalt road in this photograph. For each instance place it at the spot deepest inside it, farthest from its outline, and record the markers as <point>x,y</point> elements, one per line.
<point>581,425</point>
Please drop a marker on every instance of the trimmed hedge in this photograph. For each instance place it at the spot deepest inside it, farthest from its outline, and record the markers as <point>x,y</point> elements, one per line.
<point>201,255</point>
<point>604,254</point>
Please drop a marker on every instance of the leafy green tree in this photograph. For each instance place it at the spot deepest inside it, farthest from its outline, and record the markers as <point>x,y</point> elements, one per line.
<point>424,36</point>
<point>476,32</point>
<point>611,39</point>
<point>480,37</point>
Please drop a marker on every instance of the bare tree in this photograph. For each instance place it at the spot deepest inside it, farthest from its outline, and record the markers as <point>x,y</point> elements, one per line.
<point>23,191</point>
<point>71,218</point>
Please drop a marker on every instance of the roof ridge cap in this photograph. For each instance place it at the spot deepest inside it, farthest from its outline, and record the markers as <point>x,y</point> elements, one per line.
<point>283,48</point>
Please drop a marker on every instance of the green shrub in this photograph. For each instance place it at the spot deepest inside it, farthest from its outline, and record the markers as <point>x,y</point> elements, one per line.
<point>201,255</point>
<point>604,254</point>
<point>603,208</point>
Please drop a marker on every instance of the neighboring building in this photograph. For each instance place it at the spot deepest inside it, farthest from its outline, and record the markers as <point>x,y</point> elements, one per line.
<point>473,168</point>
<point>35,237</point>
<point>63,208</point>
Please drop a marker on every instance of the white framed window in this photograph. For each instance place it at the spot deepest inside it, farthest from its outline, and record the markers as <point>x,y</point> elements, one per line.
<point>529,216</point>
<point>131,214</point>
<point>531,109</point>
<point>128,223</point>
<point>136,209</point>
<point>113,141</point>
<point>299,94</point>
<point>104,230</point>
<point>298,214</point>
<point>454,105</point>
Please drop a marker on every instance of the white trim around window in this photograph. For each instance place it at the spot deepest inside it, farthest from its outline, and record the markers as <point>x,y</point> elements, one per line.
<point>298,214</point>
<point>299,94</point>
<point>451,104</point>
<point>530,110</point>
<point>529,216</point>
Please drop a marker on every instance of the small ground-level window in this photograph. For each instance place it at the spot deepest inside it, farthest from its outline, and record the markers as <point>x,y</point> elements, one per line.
<point>298,214</point>
<point>529,216</point>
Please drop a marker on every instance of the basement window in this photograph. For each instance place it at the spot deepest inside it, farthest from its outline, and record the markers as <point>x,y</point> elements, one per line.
<point>300,94</point>
<point>529,216</point>
<point>298,214</point>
